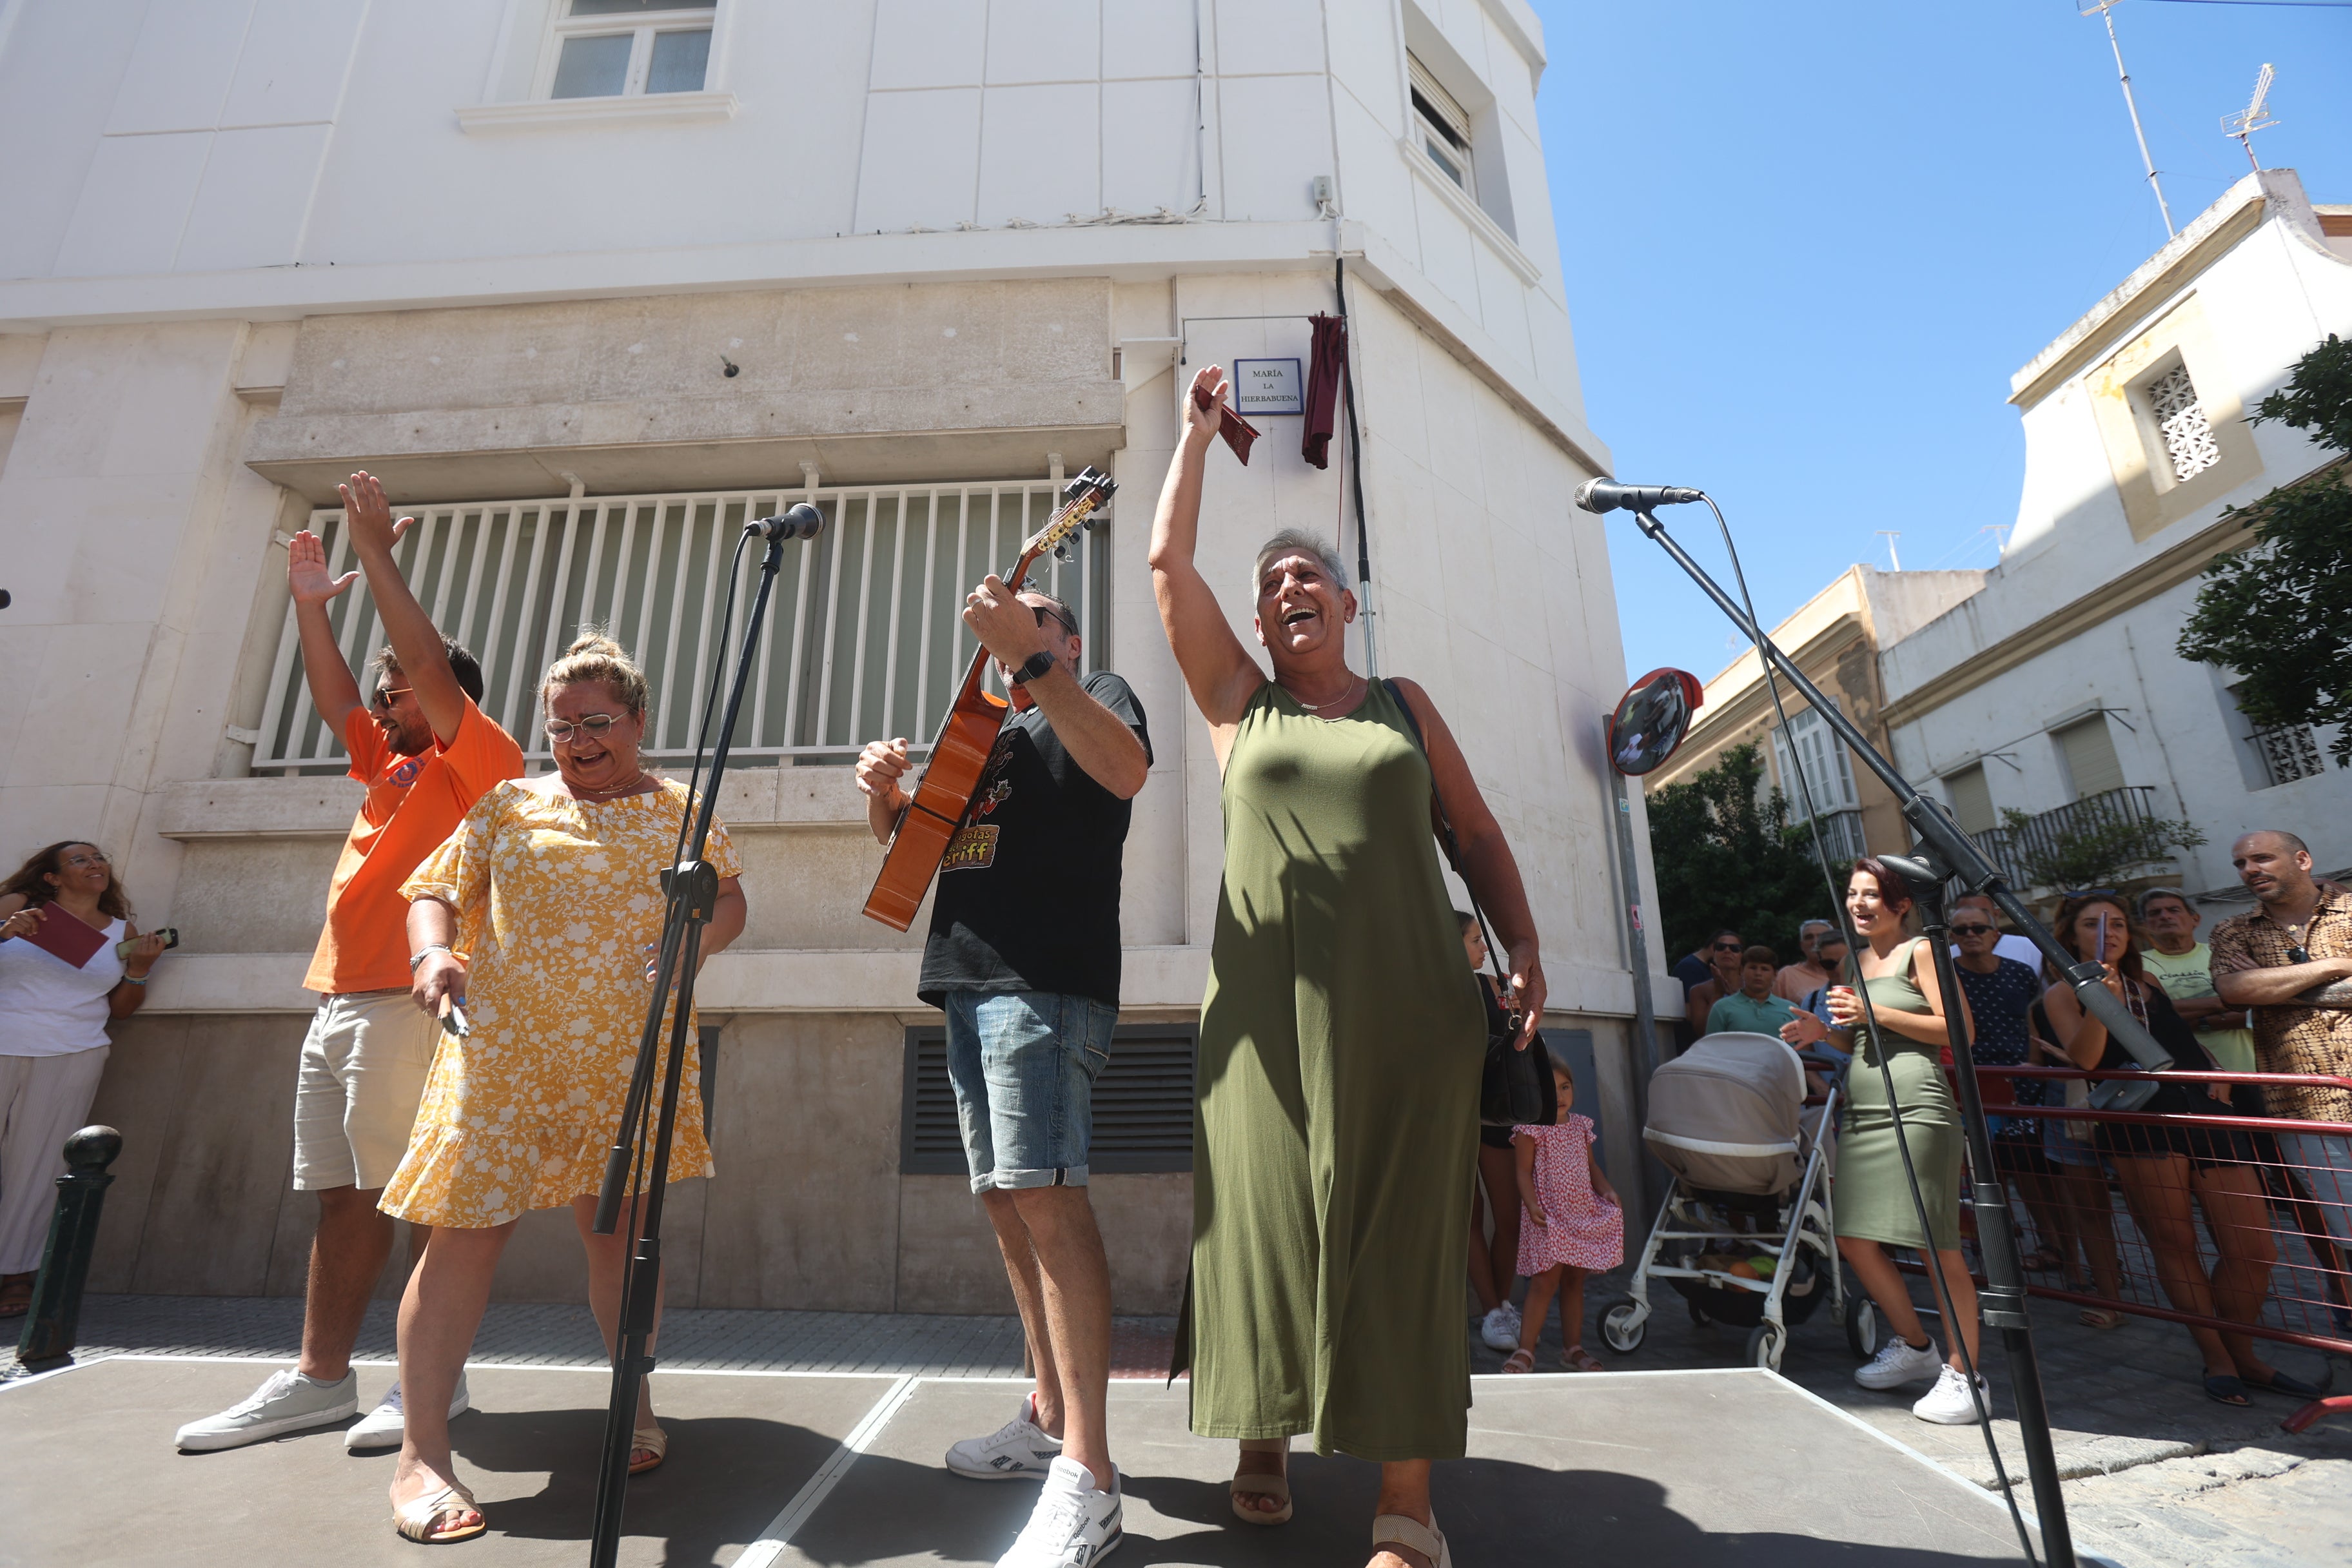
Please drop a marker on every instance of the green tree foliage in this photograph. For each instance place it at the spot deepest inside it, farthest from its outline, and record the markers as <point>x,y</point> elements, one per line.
<point>1723,859</point>
<point>2098,854</point>
<point>2280,611</point>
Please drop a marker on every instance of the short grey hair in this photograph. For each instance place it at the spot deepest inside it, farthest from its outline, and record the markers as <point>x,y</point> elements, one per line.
<point>1300,542</point>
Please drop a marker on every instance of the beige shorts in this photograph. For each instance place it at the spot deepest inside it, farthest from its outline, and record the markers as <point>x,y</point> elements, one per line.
<point>363,1067</point>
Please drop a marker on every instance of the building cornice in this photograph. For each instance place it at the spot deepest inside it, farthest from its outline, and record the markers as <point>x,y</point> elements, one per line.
<point>2112,598</point>
<point>1721,723</point>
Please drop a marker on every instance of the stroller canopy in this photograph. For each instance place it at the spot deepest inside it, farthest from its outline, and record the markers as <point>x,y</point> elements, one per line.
<point>1724,1114</point>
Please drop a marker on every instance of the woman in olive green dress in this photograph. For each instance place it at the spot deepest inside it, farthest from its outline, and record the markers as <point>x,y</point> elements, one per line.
<point>1340,1037</point>
<point>1872,1199</point>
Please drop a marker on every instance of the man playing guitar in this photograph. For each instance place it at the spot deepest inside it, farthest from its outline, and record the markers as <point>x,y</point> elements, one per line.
<point>1024,959</point>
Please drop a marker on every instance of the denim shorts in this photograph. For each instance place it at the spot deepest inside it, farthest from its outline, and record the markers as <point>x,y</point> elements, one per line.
<point>1024,1064</point>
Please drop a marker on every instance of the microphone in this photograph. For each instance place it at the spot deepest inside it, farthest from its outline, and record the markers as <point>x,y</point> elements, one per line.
<point>802,521</point>
<point>1607,495</point>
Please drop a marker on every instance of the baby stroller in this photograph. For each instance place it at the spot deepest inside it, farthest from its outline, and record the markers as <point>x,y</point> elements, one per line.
<point>1745,1233</point>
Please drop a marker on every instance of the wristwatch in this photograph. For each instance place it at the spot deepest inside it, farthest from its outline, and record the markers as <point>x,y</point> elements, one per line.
<point>1036,665</point>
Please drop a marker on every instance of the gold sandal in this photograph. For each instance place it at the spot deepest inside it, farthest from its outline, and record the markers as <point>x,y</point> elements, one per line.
<point>648,1440</point>
<point>415,1519</point>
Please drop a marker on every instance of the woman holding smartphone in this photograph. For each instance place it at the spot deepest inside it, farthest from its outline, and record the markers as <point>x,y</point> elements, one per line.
<point>71,959</point>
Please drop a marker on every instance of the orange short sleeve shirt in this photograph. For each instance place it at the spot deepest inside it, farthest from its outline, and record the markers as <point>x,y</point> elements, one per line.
<point>413,803</point>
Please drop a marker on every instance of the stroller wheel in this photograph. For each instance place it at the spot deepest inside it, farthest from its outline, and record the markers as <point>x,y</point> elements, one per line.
<point>1697,1312</point>
<point>1861,1326</point>
<point>1624,1326</point>
<point>1765,1343</point>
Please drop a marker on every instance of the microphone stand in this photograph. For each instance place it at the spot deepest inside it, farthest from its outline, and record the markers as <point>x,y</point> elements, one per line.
<point>691,888</point>
<point>1945,854</point>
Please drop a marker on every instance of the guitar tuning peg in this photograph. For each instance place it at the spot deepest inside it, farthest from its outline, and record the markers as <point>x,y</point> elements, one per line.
<point>1061,552</point>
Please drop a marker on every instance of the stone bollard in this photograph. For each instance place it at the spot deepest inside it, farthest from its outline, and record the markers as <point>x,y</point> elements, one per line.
<point>55,1312</point>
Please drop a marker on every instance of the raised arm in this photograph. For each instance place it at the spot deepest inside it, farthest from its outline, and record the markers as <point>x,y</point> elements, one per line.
<point>335,691</point>
<point>414,640</point>
<point>1218,670</point>
<point>1488,863</point>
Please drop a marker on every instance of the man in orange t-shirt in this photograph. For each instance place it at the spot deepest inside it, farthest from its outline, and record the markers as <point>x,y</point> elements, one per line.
<point>426,752</point>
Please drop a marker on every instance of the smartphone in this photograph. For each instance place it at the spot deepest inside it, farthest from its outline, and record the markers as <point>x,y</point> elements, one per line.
<point>2099,955</point>
<point>171,935</point>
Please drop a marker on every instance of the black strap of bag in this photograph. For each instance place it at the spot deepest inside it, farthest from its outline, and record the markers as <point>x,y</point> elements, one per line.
<point>1517,1090</point>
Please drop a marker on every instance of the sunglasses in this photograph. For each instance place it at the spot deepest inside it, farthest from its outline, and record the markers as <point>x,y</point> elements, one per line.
<point>593,724</point>
<point>1042,611</point>
<point>1727,947</point>
<point>384,694</point>
<point>1970,929</point>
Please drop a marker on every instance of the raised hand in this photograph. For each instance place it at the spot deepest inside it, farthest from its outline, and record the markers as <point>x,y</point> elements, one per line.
<point>307,577</point>
<point>1204,405</point>
<point>369,514</point>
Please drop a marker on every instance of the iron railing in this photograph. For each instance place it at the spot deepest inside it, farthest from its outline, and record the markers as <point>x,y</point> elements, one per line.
<point>865,640</point>
<point>1841,834</point>
<point>2013,848</point>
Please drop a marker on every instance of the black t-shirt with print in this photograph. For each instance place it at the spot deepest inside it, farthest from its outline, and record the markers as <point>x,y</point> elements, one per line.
<point>1028,891</point>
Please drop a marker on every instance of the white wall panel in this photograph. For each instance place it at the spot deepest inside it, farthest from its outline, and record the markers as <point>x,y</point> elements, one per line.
<point>1257,37</point>
<point>1375,186</point>
<point>1041,153</point>
<point>134,204</point>
<point>1503,304</point>
<point>1278,132</point>
<point>256,194</point>
<point>924,43</point>
<point>1150,38</point>
<point>1148,146</point>
<point>1365,61</point>
<point>1044,40</point>
<point>1447,251</point>
<point>921,156</point>
<point>58,80</point>
<point>180,71</point>
<point>297,54</point>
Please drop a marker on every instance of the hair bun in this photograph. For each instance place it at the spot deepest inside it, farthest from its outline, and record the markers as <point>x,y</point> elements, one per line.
<point>593,641</point>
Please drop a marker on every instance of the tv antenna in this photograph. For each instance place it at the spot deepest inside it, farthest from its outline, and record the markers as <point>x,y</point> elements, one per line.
<point>1891,536</point>
<point>2103,8</point>
<point>2254,116</point>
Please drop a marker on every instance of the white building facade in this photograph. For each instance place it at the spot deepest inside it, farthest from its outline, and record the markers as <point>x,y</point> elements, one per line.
<point>587,282</point>
<point>2056,689</point>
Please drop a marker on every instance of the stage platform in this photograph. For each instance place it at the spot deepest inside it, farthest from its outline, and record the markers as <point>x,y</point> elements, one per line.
<point>1666,1470</point>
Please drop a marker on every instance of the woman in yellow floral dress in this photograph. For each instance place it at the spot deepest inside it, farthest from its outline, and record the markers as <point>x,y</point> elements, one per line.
<point>554,884</point>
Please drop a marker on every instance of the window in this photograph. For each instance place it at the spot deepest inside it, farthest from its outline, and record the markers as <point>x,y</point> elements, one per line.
<point>2088,748</point>
<point>1971,799</point>
<point>612,48</point>
<point>863,638</point>
<point>1142,1104</point>
<point>1828,774</point>
<point>2181,419</point>
<point>2288,753</point>
<point>1441,128</point>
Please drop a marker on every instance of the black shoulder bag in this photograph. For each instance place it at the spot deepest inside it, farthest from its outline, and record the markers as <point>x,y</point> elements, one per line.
<point>1517,1090</point>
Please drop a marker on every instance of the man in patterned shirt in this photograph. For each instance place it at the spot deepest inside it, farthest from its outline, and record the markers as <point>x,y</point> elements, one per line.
<point>2300,937</point>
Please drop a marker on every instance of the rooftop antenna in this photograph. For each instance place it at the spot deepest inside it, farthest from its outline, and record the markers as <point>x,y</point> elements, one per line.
<point>2242,125</point>
<point>2103,7</point>
<point>1891,536</point>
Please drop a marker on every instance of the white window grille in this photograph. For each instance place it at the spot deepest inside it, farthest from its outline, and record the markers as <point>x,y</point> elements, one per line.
<point>863,639</point>
<point>1828,774</point>
<point>615,48</point>
<point>2289,751</point>
<point>1441,127</point>
<point>2181,419</point>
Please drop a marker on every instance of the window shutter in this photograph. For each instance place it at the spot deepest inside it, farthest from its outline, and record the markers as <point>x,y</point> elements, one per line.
<point>1142,1104</point>
<point>1971,799</point>
<point>1440,105</point>
<point>2090,752</point>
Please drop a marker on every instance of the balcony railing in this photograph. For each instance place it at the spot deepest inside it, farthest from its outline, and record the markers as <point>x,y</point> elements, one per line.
<point>863,639</point>
<point>2013,848</point>
<point>1841,834</point>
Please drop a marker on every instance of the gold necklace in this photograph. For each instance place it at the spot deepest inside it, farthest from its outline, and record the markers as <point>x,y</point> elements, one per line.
<point>1317,708</point>
<point>616,791</point>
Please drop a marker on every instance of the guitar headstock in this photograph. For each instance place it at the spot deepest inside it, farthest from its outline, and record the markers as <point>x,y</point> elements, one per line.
<point>1082,497</point>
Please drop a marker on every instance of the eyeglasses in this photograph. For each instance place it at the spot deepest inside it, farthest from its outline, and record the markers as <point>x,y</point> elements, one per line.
<point>593,724</point>
<point>1971,931</point>
<point>1042,611</point>
<point>95,858</point>
<point>384,694</point>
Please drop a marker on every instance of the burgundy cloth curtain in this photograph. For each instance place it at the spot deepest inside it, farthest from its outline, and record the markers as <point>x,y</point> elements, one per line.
<point>1326,367</point>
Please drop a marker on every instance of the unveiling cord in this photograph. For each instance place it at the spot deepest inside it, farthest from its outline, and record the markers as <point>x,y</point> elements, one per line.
<point>1929,1253</point>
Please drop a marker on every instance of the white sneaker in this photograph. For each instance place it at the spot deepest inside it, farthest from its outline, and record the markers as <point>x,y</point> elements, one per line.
<point>1073,1524</point>
<point>383,1426</point>
<point>285,1402</point>
<point>1948,1403</point>
<point>1500,1329</point>
<point>1897,1363</point>
<point>1020,1450</point>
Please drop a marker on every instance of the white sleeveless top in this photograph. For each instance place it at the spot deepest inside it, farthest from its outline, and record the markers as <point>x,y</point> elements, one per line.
<point>49,1008</point>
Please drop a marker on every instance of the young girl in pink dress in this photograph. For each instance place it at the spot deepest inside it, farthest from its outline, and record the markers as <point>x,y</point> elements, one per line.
<point>1571,1225</point>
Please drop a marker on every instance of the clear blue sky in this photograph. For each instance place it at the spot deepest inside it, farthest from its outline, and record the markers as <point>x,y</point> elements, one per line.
<point>1807,244</point>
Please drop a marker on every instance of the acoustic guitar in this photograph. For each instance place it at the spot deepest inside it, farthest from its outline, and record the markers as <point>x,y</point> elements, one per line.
<point>942,794</point>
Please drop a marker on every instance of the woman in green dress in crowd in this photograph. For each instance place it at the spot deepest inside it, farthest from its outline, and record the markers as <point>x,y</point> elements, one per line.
<point>1872,1199</point>
<point>1340,1038</point>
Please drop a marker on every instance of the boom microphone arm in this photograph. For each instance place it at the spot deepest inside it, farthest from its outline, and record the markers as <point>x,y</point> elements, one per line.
<point>1952,852</point>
